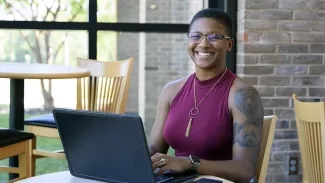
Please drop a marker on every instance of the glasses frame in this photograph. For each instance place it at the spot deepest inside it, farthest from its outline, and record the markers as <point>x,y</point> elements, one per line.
<point>206,35</point>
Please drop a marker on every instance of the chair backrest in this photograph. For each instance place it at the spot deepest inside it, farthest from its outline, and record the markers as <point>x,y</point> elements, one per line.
<point>266,147</point>
<point>107,89</point>
<point>310,120</point>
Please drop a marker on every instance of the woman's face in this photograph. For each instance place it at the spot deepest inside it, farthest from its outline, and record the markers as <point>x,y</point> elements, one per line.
<point>207,45</point>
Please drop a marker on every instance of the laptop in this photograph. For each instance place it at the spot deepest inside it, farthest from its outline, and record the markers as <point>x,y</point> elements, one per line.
<point>109,148</point>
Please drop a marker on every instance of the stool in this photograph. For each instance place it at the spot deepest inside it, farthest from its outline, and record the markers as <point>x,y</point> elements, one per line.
<point>13,143</point>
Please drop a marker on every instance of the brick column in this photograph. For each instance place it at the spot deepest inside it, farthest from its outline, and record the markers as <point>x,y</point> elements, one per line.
<point>281,51</point>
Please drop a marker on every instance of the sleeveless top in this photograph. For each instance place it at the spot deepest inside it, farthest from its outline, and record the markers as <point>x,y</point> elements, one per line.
<point>211,133</point>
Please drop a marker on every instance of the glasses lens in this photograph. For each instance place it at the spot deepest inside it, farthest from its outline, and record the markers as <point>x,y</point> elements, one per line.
<point>215,37</point>
<point>195,36</point>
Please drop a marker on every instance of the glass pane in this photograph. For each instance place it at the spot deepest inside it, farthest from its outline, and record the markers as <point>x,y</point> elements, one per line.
<point>159,58</point>
<point>34,46</point>
<point>49,10</point>
<point>158,11</point>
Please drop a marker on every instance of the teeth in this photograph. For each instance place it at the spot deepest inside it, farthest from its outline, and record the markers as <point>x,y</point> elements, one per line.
<point>203,54</point>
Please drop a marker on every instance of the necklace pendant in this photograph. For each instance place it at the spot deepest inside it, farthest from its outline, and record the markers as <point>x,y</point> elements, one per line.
<point>188,128</point>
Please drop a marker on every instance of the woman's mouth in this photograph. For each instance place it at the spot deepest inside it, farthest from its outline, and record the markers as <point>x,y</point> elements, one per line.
<point>204,54</point>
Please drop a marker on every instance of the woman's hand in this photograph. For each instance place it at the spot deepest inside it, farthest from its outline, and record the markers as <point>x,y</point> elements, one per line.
<point>167,162</point>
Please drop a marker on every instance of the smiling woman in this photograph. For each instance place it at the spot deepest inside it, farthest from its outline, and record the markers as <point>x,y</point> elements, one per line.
<point>212,118</point>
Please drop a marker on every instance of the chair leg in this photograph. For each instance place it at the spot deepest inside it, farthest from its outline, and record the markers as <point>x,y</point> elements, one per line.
<point>25,163</point>
<point>31,159</point>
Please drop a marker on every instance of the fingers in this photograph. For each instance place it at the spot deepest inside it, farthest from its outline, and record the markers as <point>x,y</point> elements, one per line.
<point>157,157</point>
<point>159,161</point>
<point>159,164</point>
<point>161,170</point>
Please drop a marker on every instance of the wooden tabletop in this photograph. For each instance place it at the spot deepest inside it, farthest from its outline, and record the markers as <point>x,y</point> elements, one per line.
<point>15,70</point>
<point>66,177</point>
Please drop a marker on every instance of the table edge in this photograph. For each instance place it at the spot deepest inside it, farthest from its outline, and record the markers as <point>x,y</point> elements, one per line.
<point>68,172</point>
<point>44,75</point>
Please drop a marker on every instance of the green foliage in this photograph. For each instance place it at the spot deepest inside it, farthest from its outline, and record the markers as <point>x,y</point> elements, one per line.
<point>47,46</point>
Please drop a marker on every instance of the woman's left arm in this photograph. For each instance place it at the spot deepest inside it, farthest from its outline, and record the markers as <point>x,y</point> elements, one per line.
<point>247,110</point>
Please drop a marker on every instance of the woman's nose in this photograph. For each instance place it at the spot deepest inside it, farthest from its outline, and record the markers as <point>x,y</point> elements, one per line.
<point>204,42</point>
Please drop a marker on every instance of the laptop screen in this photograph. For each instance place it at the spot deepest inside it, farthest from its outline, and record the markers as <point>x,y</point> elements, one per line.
<point>105,147</point>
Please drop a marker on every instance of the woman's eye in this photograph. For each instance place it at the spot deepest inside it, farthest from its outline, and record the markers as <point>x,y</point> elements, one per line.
<point>196,37</point>
<point>214,37</point>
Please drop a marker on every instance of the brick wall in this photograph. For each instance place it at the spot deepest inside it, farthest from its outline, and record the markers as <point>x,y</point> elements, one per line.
<point>281,51</point>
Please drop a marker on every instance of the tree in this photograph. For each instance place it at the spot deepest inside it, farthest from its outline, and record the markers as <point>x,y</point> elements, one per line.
<point>39,41</point>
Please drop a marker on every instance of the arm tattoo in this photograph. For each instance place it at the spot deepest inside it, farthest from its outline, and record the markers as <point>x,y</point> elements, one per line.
<point>247,133</point>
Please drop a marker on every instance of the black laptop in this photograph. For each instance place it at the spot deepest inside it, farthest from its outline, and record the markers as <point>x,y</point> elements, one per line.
<point>109,147</point>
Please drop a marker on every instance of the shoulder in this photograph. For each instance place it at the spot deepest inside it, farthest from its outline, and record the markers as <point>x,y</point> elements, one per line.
<point>171,89</point>
<point>243,94</point>
<point>240,83</point>
<point>239,86</point>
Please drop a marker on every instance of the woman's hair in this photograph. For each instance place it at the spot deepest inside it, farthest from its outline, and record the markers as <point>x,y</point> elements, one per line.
<point>218,15</point>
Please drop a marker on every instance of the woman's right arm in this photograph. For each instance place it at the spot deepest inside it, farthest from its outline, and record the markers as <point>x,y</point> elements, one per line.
<point>157,142</point>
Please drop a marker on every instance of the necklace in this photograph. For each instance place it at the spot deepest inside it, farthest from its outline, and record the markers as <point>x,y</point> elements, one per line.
<point>194,112</point>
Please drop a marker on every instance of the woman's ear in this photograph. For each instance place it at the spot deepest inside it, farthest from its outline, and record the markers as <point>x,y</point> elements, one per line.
<point>231,42</point>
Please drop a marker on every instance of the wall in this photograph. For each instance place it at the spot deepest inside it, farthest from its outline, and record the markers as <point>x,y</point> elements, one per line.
<point>281,51</point>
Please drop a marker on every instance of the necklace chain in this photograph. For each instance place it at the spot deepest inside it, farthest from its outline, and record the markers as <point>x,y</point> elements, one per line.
<point>196,106</point>
<point>194,112</point>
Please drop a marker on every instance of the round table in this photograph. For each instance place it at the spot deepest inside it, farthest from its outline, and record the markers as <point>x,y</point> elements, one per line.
<point>66,177</point>
<point>58,177</point>
<point>17,72</point>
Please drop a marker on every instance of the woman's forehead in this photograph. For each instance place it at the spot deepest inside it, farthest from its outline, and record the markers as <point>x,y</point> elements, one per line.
<point>208,25</point>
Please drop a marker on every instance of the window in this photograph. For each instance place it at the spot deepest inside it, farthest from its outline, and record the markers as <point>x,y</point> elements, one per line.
<point>54,10</point>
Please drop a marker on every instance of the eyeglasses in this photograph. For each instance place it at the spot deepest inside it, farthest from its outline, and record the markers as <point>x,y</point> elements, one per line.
<point>196,37</point>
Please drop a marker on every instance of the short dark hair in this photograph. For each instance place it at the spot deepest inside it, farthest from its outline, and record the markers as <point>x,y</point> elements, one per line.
<point>216,14</point>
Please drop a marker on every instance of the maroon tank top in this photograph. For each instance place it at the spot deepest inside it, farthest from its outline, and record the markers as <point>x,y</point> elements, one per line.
<point>211,132</point>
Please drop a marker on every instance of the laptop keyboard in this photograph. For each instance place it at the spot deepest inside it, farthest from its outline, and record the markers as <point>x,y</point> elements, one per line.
<point>170,176</point>
<point>163,178</point>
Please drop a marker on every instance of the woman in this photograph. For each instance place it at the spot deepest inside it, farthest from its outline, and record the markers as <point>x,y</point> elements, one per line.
<point>212,118</point>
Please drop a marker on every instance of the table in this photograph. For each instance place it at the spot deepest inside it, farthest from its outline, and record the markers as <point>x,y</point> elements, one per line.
<point>66,177</point>
<point>17,72</point>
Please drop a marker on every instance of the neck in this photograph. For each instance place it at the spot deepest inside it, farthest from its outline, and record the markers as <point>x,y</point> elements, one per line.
<point>203,74</point>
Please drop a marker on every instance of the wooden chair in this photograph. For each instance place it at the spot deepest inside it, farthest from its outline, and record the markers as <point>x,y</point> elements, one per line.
<point>310,120</point>
<point>266,147</point>
<point>13,143</point>
<point>106,90</point>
